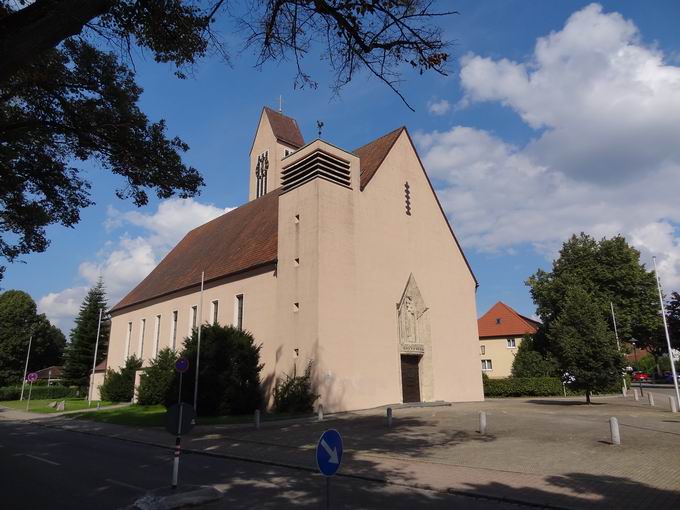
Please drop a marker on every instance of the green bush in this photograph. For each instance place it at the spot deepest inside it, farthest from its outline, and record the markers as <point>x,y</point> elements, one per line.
<point>294,394</point>
<point>229,372</point>
<point>523,387</point>
<point>38,392</point>
<point>120,386</point>
<point>156,381</point>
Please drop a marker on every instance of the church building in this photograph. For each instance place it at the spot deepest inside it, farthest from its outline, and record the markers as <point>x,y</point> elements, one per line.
<point>341,260</point>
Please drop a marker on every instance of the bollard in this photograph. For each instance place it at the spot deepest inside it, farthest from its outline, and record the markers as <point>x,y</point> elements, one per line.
<point>614,426</point>
<point>624,390</point>
<point>389,417</point>
<point>482,422</point>
<point>651,398</point>
<point>257,419</point>
<point>636,394</point>
<point>673,403</point>
<point>319,414</point>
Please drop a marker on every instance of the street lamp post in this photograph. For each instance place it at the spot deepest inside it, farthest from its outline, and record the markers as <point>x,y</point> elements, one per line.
<point>28,355</point>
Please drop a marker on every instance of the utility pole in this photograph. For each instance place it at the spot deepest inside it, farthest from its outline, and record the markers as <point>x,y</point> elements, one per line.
<point>668,338</point>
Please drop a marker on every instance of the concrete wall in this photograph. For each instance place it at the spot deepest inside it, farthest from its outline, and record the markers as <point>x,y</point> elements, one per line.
<point>96,381</point>
<point>496,349</point>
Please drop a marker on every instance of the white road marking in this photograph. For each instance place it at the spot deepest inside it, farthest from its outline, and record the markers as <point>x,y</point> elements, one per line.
<point>43,460</point>
<point>123,484</point>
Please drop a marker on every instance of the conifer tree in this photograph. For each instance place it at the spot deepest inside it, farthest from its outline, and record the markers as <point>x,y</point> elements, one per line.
<point>80,350</point>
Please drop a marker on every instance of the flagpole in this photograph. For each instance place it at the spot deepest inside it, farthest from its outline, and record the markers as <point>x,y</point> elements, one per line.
<point>668,338</point>
<point>618,345</point>
<point>198,347</point>
<point>94,360</point>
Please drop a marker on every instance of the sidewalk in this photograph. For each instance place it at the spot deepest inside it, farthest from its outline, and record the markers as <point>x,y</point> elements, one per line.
<point>547,452</point>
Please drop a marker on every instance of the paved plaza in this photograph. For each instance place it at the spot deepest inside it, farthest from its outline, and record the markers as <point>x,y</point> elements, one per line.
<point>550,452</point>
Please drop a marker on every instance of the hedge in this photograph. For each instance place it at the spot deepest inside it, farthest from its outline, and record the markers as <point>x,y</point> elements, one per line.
<point>38,392</point>
<point>523,387</point>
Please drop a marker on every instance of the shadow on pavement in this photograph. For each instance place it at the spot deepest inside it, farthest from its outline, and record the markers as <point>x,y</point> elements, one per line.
<point>564,403</point>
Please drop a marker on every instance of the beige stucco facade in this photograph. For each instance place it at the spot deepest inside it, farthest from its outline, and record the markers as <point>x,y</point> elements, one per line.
<point>501,352</point>
<point>360,281</point>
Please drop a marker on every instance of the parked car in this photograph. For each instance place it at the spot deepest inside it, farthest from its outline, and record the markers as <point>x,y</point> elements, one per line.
<point>668,377</point>
<point>641,377</point>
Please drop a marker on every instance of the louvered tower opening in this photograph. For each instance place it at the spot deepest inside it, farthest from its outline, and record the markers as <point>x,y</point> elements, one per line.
<point>317,164</point>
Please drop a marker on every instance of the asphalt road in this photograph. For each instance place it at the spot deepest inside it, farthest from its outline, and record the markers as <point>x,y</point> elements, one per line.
<point>52,468</point>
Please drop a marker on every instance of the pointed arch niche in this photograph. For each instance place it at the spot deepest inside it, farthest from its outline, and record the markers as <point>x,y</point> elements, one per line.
<point>415,345</point>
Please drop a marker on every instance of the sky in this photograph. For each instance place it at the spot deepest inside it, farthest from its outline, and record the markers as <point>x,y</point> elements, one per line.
<point>555,118</point>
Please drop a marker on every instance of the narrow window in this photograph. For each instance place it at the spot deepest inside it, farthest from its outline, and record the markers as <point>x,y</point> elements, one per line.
<point>238,312</point>
<point>296,307</point>
<point>407,197</point>
<point>214,307</point>
<point>142,327</point>
<point>156,335</point>
<point>296,263</point>
<point>297,219</point>
<point>127,341</point>
<point>194,316</point>
<point>482,348</point>
<point>498,321</point>
<point>261,173</point>
<point>486,365</point>
<point>174,329</point>
<point>511,343</point>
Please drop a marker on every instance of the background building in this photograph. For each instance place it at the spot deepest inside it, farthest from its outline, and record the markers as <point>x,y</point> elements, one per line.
<point>501,330</point>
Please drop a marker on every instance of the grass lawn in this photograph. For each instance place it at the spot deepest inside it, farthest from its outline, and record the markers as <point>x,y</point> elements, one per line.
<point>154,416</point>
<point>41,406</point>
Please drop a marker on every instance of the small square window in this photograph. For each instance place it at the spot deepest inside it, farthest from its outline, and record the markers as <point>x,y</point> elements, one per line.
<point>498,321</point>
<point>296,262</point>
<point>486,365</point>
<point>511,343</point>
<point>482,349</point>
<point>296,307</point>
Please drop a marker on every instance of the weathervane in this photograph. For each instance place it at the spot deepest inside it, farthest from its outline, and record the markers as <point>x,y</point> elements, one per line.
<point>319,125</point>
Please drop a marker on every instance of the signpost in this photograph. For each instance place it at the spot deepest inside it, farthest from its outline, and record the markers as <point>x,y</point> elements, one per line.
<point>179,419</point>
<point>31,378</point>
<point>329,457</point>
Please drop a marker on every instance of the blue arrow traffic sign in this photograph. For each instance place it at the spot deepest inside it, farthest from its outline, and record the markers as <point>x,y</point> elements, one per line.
<point>329,452</point>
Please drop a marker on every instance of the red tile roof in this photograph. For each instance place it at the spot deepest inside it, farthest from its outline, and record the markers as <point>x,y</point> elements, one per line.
<point>242,239</point>
<point>285,128</point>
<point>511,323</point>
<point>101,366</point>
<point>374,153</point>
<point>53,372</point>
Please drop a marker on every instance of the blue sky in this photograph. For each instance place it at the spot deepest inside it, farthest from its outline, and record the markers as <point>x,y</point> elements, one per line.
<point>531,137</point>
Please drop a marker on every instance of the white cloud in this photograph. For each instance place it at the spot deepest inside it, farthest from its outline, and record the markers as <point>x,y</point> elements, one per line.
<point>438,107</point>
<point>123,263</point>
<point>605,157</point>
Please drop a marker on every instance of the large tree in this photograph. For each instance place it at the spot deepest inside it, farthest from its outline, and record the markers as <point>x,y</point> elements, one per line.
<point>583,344</point>
<point>673,319</point>
<point>610,271</point>
<point>65,98</point>
<point>80,350</point>
<point>19,321</point>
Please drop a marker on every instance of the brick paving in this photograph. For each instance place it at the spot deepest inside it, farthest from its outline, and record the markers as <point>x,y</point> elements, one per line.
<point>547,452</point>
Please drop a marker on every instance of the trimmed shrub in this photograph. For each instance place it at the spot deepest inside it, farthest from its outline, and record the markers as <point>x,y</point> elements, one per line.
<point>229,372</point>
<point>120,386</point>
<point>523,387</point>
<point>294,394</point>
<point>38,392</point>
<point>156,381</point>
